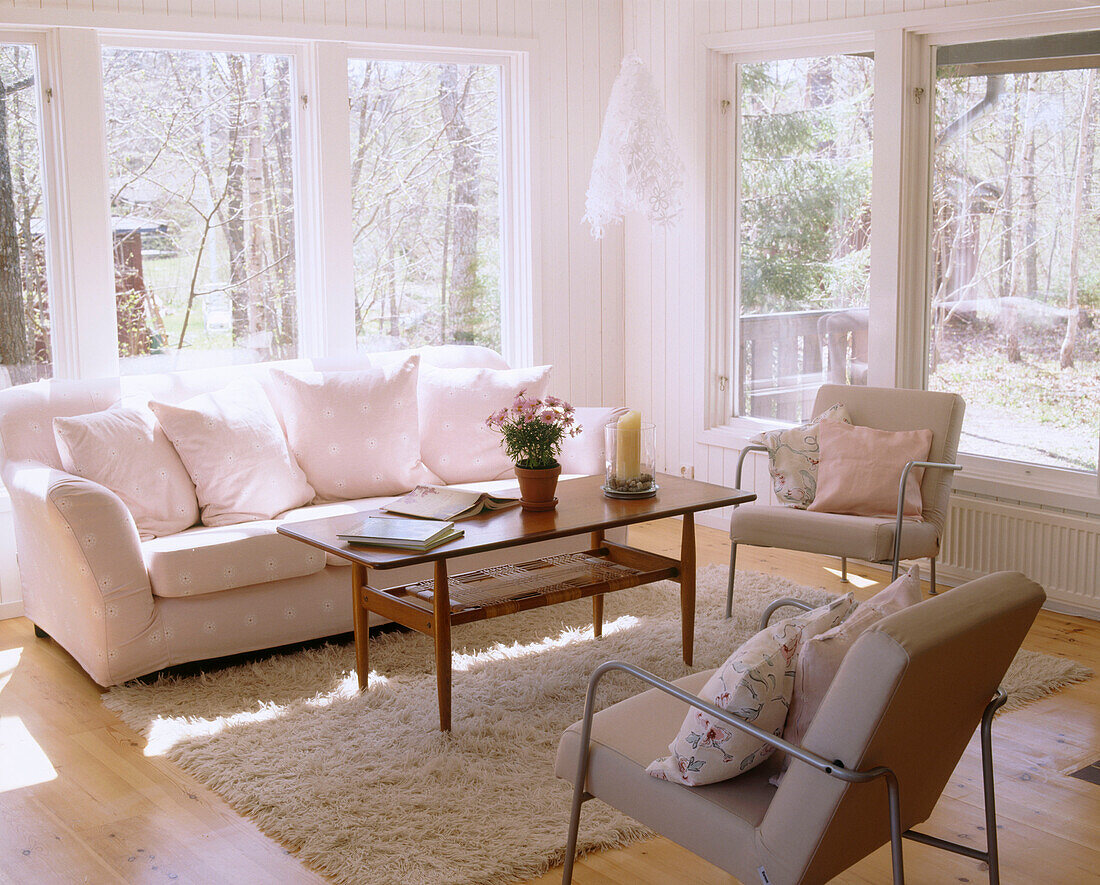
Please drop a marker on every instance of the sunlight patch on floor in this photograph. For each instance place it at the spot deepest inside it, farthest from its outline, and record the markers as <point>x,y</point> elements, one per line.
<point>9,660</point>
<point>25,762</point>
<point>855,580</point>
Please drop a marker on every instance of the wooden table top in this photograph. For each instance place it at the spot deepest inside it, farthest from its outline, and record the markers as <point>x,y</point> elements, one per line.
<point>582,507</point>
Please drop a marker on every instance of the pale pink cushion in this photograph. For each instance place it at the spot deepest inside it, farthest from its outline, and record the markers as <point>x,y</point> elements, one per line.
<point>860,468</point>
<point>232,446</point>
<point>455,442</point>
<point>819,658</point>
<point>355,434</point>
<point>754,683</point>
<point>124,449</point>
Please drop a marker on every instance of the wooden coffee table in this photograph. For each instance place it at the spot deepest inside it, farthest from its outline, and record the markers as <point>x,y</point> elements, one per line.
<point>434,606</point>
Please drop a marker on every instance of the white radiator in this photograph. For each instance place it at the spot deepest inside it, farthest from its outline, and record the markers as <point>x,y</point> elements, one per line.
<point>1059,550</point>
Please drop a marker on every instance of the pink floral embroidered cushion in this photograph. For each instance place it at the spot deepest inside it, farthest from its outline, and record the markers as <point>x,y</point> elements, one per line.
<point>233,447</point>
<point>355,434</point>
<point>793,457</point>
<point>820,657</point>
<point>861,467</point>
<point>754,683</point>
<point>124,449</point>
<point>455,441</point>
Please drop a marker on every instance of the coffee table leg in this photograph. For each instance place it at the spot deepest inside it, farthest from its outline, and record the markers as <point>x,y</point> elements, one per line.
<point>597,601</point>
<point>362,624</point>
<point>441,629</point>
<point>687,586</point>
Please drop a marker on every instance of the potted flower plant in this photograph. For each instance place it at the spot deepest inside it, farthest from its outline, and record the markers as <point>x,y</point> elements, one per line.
<point>533,431</point>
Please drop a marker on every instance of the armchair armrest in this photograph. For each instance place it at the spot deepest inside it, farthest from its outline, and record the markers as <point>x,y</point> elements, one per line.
<point>80,562</point>
<point>927,465</point>
<point>584,453</point>
<point>745,452</point>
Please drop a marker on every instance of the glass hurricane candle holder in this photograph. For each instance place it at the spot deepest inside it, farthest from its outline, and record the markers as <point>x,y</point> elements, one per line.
<point>630,459</point>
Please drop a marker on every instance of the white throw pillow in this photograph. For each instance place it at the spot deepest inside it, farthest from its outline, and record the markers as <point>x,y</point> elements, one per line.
<point>793,455</point>
<point>455,442</point>
<point>755,684</point>
<point>124,449</point>
<point>233,448</point>
<point>355,434</point>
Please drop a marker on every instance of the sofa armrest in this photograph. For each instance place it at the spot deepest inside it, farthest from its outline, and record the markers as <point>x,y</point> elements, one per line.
<point>584,453</point>
<point>83,575</point>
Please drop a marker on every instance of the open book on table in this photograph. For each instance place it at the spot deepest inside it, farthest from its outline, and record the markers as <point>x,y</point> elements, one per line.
<point>443,502</point>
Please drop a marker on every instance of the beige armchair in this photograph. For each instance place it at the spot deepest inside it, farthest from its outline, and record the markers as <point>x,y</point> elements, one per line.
<point>877,756</point>
<point>875,539</point>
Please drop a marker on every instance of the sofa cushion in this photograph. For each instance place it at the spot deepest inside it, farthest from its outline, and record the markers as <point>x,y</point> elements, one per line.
<point>455,441</point>
<point>355,434</point>
<point>124,449</point>
<point>793,456</point>
<point>208,559</point>
<point>233,447</point>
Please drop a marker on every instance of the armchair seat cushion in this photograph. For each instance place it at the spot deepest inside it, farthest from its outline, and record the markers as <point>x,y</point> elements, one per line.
<point>833,534</point>
<point>626,737</point>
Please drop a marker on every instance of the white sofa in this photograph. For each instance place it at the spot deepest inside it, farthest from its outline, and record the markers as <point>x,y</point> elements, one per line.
<point>124,607</point>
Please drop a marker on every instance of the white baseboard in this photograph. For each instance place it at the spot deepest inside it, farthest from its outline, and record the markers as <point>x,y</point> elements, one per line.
<point>11,609</point>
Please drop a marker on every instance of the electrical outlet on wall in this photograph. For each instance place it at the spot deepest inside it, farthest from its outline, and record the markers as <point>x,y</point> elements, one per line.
<point>687,471</point>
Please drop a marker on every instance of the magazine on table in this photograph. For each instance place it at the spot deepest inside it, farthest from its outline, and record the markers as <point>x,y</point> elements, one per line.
<point>444,502</point>
<point>408,534</point>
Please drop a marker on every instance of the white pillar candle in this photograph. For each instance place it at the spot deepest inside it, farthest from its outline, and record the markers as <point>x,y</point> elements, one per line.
<point>628,447</point>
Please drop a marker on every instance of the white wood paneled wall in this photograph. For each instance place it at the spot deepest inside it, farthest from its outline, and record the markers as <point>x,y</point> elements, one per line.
<point>578,305</point>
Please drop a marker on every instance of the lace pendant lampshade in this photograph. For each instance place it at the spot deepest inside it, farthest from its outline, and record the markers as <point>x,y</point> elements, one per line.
<point>637,166</point>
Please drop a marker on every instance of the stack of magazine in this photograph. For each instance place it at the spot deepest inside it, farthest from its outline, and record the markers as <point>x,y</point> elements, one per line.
<point>407,534</point>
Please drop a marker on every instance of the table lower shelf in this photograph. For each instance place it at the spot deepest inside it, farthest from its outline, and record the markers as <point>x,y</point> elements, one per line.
<point>501,590</point>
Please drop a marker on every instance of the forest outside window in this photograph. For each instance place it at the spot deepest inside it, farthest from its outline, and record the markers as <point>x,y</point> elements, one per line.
<point>25,351</point>
<point>1015,300</point>
<point>201,159</point>
<point>426,157</point>
<point>805,141</point>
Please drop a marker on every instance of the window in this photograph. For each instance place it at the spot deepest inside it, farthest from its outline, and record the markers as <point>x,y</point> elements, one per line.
<point>1015,282</point>
<point>25,353</point>
<point>804,177</point>
<point>200,151</point>
<point>426,188</point>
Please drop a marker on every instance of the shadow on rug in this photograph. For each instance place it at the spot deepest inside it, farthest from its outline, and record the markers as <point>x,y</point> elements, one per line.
<point>365,789</point>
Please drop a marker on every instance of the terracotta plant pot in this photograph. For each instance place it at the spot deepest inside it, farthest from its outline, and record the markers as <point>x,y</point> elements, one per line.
<point>536,487</point>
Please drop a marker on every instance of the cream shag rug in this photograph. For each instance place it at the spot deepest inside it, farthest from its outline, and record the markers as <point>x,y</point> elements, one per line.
<point>365,789</point>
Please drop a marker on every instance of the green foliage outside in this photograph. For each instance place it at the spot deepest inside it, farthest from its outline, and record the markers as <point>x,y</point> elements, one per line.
<point>805,183</point>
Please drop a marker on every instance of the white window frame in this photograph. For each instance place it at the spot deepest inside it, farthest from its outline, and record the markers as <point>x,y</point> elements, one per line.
<point>1033,483</point>
<point>900,257</point>
<point>61,350</point>
<point>309,258</point>
<point>516,269</point>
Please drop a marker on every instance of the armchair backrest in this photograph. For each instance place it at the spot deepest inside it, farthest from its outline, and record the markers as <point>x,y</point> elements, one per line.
<point>890,408</point>
<point>909,696</point>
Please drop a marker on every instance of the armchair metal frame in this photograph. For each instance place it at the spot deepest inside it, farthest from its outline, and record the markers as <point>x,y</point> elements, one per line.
<point>899,521</point>
<point>834,768</point>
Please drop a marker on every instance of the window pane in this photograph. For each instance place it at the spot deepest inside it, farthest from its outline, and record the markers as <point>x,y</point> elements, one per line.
<point>24,309</point>
<point>200,157</point>
<point>426,147</point>
<point>805,210</point>
<point>1016,249</point>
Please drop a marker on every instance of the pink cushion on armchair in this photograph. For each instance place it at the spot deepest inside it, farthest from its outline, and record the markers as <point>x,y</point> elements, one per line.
<point>860,469</point>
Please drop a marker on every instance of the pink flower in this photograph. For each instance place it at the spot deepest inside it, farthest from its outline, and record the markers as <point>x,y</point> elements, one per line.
<point>547,416</point>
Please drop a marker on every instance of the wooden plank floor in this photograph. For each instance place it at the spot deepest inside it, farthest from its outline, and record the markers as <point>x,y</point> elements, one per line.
<point>80,802</point>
